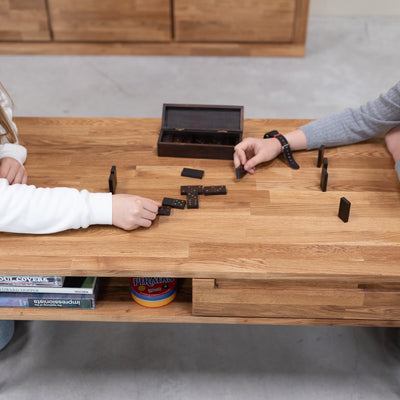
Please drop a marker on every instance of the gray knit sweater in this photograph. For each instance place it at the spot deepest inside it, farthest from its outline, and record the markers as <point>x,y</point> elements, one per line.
<point>356,124</point>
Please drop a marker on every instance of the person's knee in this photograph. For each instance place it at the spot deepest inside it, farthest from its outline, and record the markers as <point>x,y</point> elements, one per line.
<point>6,333</point>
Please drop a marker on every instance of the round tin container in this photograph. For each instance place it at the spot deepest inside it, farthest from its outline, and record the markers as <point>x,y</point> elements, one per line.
<point>153,292</point>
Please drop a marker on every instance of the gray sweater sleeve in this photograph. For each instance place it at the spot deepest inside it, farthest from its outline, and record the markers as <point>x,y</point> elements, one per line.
<point>356,124</point>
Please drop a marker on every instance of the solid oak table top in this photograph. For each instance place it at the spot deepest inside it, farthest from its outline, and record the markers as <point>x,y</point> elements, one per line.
<point>275,224</point>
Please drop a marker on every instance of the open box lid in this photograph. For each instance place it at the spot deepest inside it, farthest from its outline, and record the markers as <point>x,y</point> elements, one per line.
<point>208,118</point>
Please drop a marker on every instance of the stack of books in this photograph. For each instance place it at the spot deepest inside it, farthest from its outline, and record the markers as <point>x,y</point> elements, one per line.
<point>48,291</point>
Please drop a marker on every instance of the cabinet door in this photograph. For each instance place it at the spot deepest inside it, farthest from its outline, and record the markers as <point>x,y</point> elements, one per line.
<point>111,20</point>
<point>23,20</point>
<point>234,20</point>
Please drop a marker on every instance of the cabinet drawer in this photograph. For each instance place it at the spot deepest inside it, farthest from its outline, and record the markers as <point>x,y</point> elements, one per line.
<point>234,21</point>
<point>296,299</point>
<point>111,20</point>
<point>23,20</point>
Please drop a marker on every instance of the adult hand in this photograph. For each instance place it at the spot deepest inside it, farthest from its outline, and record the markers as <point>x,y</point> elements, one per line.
<point>392,140</point>
<point>13,171</point>
<point>130,212</point>
<point>251,152</point>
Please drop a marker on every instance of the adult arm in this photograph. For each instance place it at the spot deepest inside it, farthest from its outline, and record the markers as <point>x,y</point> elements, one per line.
<point>356,124</point>
<point>349,126</point>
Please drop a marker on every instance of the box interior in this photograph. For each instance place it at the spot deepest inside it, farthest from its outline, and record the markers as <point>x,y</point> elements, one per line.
<point>202,118</point>
<point>193,137</point>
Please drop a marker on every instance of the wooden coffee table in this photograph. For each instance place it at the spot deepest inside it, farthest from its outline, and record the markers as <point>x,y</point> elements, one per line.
<point>271,251</point>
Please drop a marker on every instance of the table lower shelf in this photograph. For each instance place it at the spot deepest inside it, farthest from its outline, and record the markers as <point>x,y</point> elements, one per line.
<point>116,305</point>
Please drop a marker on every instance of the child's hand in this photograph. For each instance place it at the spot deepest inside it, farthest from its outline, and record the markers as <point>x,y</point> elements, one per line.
<point>392,140</point>
<point>130,212</point>
<point>251,152</point>
<point>12,170</point>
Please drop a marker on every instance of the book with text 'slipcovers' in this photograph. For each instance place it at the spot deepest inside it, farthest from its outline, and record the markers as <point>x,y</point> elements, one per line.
<point>49,300</point>
<point>25,280</point>
<point>72,284</point>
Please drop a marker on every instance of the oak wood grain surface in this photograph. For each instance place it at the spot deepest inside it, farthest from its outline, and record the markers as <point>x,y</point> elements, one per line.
<point>296,299</point>
<point>24,20</point>
<point>275,224</point>
<point>110,20</point>
<point>228,21</point>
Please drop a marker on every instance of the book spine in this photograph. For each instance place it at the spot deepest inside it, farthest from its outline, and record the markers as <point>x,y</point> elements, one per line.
<point>44,289</point>
<point>62,303</point>
<point>25,280</point>
<point>46,300</point>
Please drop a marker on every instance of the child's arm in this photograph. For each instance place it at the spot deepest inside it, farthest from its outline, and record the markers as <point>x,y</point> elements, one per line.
<point>27,209</point>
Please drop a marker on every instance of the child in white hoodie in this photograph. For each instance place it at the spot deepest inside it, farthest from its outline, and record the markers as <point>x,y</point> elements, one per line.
<point>28,209</point>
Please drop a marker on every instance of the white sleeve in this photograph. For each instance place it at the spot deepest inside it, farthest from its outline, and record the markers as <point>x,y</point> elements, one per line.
<point>27,209</point>
<point>13,150</point>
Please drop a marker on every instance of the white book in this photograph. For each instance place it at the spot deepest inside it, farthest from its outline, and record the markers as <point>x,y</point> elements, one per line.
<point>72,285</point>
<point>28,280</point>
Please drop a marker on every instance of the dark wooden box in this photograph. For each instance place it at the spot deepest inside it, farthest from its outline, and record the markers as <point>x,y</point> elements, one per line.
<point>200,131</point>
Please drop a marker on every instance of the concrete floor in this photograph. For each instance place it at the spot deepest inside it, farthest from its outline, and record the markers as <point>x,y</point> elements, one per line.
<point>348,61</point>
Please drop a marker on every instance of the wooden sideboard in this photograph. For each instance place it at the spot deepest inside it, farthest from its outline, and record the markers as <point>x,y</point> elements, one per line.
<point>165,27</point>
<point>271,251</point>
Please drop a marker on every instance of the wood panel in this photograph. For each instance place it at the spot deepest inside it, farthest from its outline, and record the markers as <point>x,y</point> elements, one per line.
<point>165,48</point>
<point>300,21</point>
<point>23,20</point>
<point>234,21</point>
<point>295,299</point>
<point>116,305</point>
<point>111,20</point>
